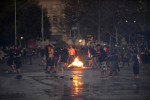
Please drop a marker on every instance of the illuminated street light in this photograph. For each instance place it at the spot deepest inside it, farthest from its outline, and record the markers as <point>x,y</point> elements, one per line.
<point>134,21</point>
<point>15,26</point>
<point>80,40</point>
<point>42,29</point>
<point>21,38</point>
<point>126,21</point>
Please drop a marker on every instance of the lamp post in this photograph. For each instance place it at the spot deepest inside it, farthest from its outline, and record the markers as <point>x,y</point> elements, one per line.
<point>15,25</point>
<point>99,22</point>
<point>20,40</point>
<point>42,30</point>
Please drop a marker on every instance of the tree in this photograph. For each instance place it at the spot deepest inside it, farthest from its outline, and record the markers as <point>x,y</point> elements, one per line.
<point>28,20</point>
<point>118,18</point>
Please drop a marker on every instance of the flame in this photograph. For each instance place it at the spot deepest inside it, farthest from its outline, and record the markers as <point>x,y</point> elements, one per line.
<point>76,63</point>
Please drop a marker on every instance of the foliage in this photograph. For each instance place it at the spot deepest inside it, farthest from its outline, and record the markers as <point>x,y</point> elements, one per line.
<point>28,21</point>
<point>60,44</point>
<point>113,16</point>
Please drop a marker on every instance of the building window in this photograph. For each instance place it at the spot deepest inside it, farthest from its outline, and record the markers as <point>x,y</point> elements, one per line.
<point>55,20</point>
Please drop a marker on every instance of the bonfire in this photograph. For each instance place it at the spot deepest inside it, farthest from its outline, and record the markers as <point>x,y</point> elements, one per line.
<point>76,63</point>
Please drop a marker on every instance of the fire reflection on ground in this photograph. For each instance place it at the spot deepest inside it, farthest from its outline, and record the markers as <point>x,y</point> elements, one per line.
<point>77,88</point>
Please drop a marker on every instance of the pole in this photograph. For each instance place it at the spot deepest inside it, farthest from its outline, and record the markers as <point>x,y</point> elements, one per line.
<point>110,40</point>
<point>129,39</point>
<point>42,28</point>
<point>78,22</point>
<point>99,23</point>
<point>15,25</point>
<point>116,34</point>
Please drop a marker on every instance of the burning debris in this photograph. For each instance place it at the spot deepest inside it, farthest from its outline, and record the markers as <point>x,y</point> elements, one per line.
<point>76,63</point>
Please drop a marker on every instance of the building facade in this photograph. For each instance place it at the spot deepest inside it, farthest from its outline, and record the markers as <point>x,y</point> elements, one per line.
<point>55,10</point>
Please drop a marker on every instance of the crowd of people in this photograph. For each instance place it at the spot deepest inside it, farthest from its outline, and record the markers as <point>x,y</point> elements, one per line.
<point>15,57</point>
<point>111,56</point>
<point>99,56</point>
<point>104,57</point>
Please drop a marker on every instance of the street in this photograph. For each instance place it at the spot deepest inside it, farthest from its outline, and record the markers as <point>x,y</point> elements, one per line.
<point>77,84</point>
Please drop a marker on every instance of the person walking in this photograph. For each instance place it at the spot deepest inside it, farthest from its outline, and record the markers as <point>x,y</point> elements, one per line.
<point>10,61</point>
<point>62,59</point>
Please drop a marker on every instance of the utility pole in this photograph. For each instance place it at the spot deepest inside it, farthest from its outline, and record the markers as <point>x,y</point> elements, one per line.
<point>15,25</point>
<point>78,25</point>
<point>129,40</point>
<point>99,22</point>
<point>42,30</point>
<point>116,27</point>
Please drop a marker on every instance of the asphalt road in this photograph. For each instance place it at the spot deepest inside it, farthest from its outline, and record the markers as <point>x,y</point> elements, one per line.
<point>77,84</point>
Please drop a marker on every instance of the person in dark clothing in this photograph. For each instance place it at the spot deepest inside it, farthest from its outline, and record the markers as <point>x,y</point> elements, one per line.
<point>101,54</point>
<point>62,59</point>
<point>94,59</point>
<point>10,61</point>
<point>125,57</point>
<point>18,63</point>
<point>104,69</point>
<point>42,56</point>
<point>102,60</point>
<point>65,56</point>
<point>46,54</point>
<point>114,58</point>
<point>135,56</point>
<point>29,56</point>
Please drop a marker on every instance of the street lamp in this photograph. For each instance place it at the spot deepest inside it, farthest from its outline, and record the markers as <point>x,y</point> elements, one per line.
<point>80,40</point>
<point>15,25</point>
<point>42,30</point>
<point>134,21</point>
<point>21,38</point>
<point>99,22</point>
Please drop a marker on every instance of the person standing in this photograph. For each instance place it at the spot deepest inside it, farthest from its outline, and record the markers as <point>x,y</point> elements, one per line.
<point>42,56</point>
<point>50,59</point>
<point>2,56</point>
<point>65,56</point>
<point>102,60</point>
<point>94,58</point>
<point>29,56</point>
<point>135,59</point>
<point>71,54</point>
<point>90,57</point>
<point>18,63</point>
<point>114,59</point>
